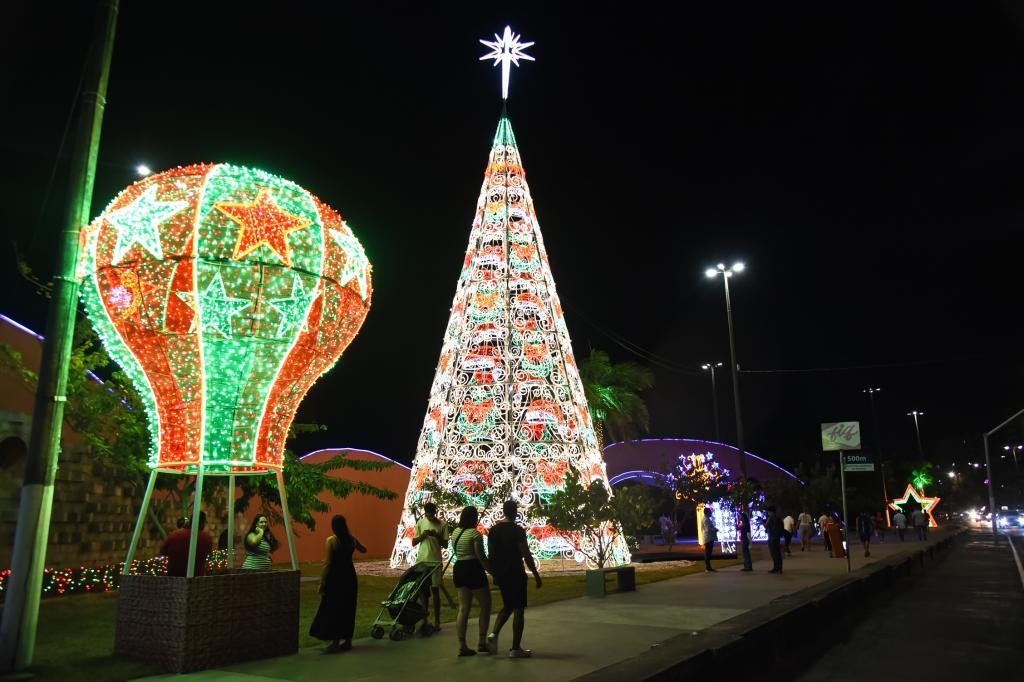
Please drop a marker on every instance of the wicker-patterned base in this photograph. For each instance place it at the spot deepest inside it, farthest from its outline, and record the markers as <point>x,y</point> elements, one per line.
<point>188,624</point>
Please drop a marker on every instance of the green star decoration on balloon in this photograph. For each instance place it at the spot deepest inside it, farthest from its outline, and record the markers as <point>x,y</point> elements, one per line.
<point>292,308</point>
<point>217,308</point>
<point>139,223</point>
<point>356,264</point>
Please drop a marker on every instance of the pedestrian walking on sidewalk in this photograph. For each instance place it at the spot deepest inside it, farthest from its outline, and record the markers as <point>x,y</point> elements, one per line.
<point>431,536</point>
<point>335,620</point>
<point>920,524</point>
<point>806,526</point>
<point>710,533</point>
<point>789,527</point>
<point>824,521</point>
<point>471,580</point>
<point>743,528</point>
<point>865,526</point>
<point>880,526</point>
<point>899,520</point>
<point>775,529</point>
<point>507,546</point>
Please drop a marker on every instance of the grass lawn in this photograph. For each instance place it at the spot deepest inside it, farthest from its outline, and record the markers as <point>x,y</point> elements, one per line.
<point>76,634</point>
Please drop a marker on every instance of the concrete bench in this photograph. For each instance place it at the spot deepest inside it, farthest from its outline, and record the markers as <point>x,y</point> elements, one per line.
<point>597,585</point>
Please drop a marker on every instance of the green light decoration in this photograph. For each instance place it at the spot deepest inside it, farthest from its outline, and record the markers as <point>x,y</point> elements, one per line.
<point>224,293</point>
<point>921,479</point>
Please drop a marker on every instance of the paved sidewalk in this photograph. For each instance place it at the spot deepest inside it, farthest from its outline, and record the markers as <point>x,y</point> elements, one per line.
<point>569,638</point>
<point>962,619</point>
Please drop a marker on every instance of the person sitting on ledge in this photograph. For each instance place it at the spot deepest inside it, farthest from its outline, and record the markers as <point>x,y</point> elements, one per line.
<point>175,548</point>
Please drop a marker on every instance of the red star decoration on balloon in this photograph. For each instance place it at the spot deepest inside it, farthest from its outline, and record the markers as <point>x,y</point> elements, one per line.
<point>264,223</point>
<point>927,503</point>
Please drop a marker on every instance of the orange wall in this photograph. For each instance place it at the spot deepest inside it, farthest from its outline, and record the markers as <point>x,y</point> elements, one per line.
<point>373,521</point>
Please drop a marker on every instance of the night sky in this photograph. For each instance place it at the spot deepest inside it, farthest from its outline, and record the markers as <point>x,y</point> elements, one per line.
<point>866,163</point>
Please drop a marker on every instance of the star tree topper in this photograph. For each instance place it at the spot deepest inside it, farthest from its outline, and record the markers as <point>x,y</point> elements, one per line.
<point>506,50</point>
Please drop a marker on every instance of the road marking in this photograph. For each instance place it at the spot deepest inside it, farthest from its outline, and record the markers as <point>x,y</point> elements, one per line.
<point>1016,557</point>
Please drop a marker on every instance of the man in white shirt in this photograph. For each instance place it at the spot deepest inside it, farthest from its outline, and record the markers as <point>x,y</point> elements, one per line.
<point>788,525</point>
<point>431,536</point>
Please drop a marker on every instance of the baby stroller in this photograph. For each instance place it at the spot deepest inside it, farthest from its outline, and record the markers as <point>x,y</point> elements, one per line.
<point>404,606</point>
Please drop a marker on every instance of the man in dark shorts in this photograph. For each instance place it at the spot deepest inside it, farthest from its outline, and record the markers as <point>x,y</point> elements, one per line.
<point>507,550</point>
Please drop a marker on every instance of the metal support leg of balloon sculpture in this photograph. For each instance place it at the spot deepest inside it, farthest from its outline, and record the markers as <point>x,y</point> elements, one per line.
<point>231,522</point>
<point>190,571</point>
<point>287,519</point>
<point>138,524</point>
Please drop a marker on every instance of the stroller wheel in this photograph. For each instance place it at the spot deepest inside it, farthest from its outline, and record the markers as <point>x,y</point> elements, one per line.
<point>377,632</point>
<point>397,634</point>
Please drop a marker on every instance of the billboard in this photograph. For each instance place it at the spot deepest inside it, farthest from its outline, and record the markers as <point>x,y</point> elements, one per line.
<point>840,436</point>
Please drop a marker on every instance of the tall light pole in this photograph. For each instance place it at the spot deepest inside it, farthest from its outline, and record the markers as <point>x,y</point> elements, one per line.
<point>21,606</point>
<point>1013,449</point>
<point>871,391</point>
<point>727,274</point>
<point>710,367</point>
<point>917,430</point>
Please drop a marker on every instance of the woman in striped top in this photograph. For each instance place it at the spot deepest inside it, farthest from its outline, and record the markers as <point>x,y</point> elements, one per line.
<point>259,543</point>
<point>470,578</point>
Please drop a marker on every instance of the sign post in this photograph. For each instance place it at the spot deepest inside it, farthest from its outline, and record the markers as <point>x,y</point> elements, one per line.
<point>844,436</point>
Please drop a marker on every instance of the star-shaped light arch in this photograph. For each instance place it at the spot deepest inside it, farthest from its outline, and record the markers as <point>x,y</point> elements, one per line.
<point>506,50</point>
<point>927,503</point>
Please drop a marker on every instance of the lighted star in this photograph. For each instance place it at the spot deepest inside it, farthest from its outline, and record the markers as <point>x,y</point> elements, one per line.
<point>217,309</point>
<point>927,503</point>
<point>139,223</point>
<point>292,308</point>
<point>263,223</point>
<point>506,50</point>
<point>356,265</point>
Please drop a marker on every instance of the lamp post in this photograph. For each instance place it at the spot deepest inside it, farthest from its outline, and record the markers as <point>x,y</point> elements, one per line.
<point>1013,450</point>
<point>917,430</point>
<point>871,391</point>
<point>710,367</point>
<point>727,274</point>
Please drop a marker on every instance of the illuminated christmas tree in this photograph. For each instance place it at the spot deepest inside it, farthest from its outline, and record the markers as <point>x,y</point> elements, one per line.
<point>507,408</point>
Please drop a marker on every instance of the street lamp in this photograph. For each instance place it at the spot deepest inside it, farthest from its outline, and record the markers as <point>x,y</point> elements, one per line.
<point>142,170</point>
<point>871,391</point>
<point>726,274</point>
<point>710,367</point>
<point>1013,449</point>
<point>917,430</point>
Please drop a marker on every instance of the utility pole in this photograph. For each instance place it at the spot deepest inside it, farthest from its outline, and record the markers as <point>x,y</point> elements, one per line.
<point>878,448</point>
<point>21,607</point>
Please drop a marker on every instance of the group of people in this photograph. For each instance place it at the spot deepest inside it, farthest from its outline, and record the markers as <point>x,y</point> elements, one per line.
<point>507,552</point>
<point>781,532</point>
<point>259,542</point>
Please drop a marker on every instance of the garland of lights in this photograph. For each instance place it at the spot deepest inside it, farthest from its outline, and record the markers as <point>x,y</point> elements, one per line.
<point>507,403</point>
<point>702,472</point>
<point>58,582</point>
<point>224,293</point>
<point>926,503</point>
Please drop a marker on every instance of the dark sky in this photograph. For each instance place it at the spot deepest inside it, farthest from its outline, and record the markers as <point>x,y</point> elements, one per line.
<point>866,161</point>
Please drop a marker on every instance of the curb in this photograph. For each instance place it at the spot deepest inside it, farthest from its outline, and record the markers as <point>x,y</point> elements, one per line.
<point>762,639</point>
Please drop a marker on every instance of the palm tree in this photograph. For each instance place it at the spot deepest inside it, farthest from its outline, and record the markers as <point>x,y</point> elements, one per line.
<point>612,392</point>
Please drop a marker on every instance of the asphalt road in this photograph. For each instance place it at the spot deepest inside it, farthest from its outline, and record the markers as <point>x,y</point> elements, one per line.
<point>962,619</point>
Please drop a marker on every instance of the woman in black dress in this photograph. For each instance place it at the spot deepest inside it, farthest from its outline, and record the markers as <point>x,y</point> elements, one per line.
<point>335,620</point>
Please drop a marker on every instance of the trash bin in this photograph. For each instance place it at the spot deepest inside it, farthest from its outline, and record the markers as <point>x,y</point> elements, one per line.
<point>835,536</point>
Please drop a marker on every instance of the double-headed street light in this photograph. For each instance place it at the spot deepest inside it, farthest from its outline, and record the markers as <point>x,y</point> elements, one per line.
<point>1014,449</point>
<point>710,367</point>
<point>917,430</point>
<point>727,274</point>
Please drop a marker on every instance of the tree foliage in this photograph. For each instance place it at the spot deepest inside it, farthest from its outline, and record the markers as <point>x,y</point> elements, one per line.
<point>613,395</point>
<point>105,409</point>
<point>588,511</point>
<point>635,507</point>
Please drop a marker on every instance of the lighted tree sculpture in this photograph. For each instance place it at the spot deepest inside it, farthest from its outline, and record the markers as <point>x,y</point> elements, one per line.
<point>507,405</point>
<point>224,293</point>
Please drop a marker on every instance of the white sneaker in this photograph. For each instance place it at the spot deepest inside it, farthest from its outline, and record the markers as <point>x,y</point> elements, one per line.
<point>519,653</point>
<point>492,643</point>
